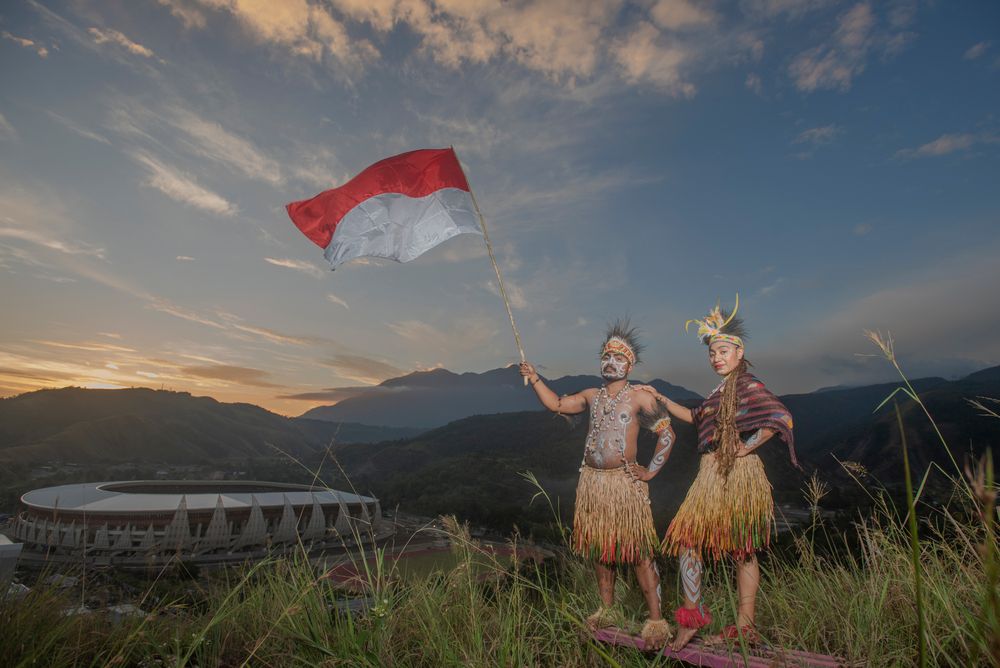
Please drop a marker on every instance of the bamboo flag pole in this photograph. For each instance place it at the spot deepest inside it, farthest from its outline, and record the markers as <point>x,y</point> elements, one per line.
<point>496,268</point>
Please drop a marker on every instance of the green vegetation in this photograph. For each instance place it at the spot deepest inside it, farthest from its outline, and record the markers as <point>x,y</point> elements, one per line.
<point>849,595</point>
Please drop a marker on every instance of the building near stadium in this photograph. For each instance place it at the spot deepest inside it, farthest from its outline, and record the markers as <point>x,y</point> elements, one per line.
<point>149,522</point>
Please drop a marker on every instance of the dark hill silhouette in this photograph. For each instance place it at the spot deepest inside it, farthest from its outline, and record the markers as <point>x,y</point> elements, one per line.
<point>76,424</point>
<point>824,417</point>
<point>428,399</point>
<point>877,445</point>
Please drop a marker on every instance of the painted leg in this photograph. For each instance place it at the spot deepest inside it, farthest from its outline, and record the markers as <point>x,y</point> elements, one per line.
<point>692,612</point>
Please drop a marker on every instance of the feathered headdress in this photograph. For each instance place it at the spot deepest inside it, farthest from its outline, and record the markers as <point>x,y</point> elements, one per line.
<point>719,325</point>
<point>623,339</point>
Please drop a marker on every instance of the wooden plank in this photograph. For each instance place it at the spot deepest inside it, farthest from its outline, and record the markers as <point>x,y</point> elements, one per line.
<point>697,653</point>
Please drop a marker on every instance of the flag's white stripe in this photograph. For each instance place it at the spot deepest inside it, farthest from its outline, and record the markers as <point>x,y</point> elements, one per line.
<point>401,228</point>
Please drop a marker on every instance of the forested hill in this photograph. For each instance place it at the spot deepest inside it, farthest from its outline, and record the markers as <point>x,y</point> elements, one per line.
<point>84,425</point>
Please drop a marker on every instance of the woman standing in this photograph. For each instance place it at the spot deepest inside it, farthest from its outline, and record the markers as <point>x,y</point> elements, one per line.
<point>728,511</point>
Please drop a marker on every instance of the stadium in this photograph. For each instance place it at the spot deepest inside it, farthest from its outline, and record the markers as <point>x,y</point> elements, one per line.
<point>145,523</point>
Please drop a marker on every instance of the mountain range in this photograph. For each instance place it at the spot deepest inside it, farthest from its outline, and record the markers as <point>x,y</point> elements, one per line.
<point>428,399</point>
<point>139,424</point>
<point>471,465</point>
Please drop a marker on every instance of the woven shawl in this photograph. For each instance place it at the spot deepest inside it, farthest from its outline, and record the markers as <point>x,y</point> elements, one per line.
<point>757,408</point>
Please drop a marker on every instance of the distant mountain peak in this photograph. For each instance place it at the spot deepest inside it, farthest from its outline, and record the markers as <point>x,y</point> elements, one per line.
<point>429,377</point>
<point>427,399</point>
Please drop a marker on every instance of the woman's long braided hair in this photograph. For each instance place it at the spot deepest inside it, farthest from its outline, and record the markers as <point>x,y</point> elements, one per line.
<point>727,437</point>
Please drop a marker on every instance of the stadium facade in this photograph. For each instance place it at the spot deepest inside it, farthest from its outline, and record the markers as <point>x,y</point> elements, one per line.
<point>150,522</point>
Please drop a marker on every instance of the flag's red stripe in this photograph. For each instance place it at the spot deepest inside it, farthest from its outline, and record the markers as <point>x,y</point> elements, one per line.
<point>415,174</point>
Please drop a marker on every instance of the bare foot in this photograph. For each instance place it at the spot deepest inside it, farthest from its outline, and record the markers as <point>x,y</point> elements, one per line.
<point>682,638</point>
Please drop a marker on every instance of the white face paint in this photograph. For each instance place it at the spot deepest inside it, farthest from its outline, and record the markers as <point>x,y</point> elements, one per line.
<point>614,367</point>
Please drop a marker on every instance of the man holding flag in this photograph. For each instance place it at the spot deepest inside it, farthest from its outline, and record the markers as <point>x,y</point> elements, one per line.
<point>612,521</point>
<point>401,207</point>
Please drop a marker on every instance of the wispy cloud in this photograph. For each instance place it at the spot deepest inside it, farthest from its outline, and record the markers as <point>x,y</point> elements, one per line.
<point>86,345</point>
<point>514,292</point>
<point>977,51</point>
<point>231,374</point>
<point>39,239</point>
<point>646,56</point>
<point>416,331</point>
<point>40,49</point>
<point>363,369</point>
<point>298,28</point>
<point>88,40</point>
<point>210,140</point>
<point>793,8</point>
<point>297,265</point>
<point>818,136</point>
<point>947,143</point>
<point>111,36</point>
<point>7,131</point>
<point>769,289</point>
<point>330,395</point>
<point>185,258</point>
<point>682,14</point>
<point>186,12</point>
<point>275,336</point>
<point>835,63</point>
<point>181,187</point>
<point>465,333</point>
<point>173,126</point>
<point>164,306</point>
<point>178,127</point>
<point>334,299</point>
<point>77,128</point>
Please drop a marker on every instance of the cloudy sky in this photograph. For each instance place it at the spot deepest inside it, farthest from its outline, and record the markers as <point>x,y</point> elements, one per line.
<point>834,162</point>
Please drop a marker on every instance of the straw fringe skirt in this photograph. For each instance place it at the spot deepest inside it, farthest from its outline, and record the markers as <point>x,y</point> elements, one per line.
<point>612,521</point>
<point>724,516</point>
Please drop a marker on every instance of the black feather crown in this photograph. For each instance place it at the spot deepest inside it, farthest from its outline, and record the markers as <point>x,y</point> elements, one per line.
<point>622,329</point>
<point>734,327</point>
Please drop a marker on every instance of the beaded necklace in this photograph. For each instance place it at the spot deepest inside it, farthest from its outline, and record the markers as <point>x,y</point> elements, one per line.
<point>600,419</point>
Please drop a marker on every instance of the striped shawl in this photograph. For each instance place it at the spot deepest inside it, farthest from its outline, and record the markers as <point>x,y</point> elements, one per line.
<point>757,408</point>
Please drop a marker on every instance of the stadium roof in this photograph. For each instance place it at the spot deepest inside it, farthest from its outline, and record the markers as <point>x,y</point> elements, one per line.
<point>163,496</point>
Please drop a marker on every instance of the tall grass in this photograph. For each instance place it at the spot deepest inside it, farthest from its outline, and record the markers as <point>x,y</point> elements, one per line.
<point>857,600</point>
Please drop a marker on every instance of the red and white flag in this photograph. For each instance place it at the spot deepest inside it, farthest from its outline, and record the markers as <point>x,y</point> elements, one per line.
<point>399,208</point>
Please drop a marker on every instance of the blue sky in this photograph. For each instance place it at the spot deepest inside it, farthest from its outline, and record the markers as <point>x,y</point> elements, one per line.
<point>833,162</point>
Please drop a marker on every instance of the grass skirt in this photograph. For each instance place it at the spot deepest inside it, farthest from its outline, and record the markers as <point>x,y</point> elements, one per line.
<point>724,516</point>
<point>612,521</point>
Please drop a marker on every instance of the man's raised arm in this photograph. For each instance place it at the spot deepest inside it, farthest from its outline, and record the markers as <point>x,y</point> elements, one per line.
<point>570,404</point>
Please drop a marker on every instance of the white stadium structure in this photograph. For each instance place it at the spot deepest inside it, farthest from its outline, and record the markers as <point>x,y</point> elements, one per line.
<point>143,523</point>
